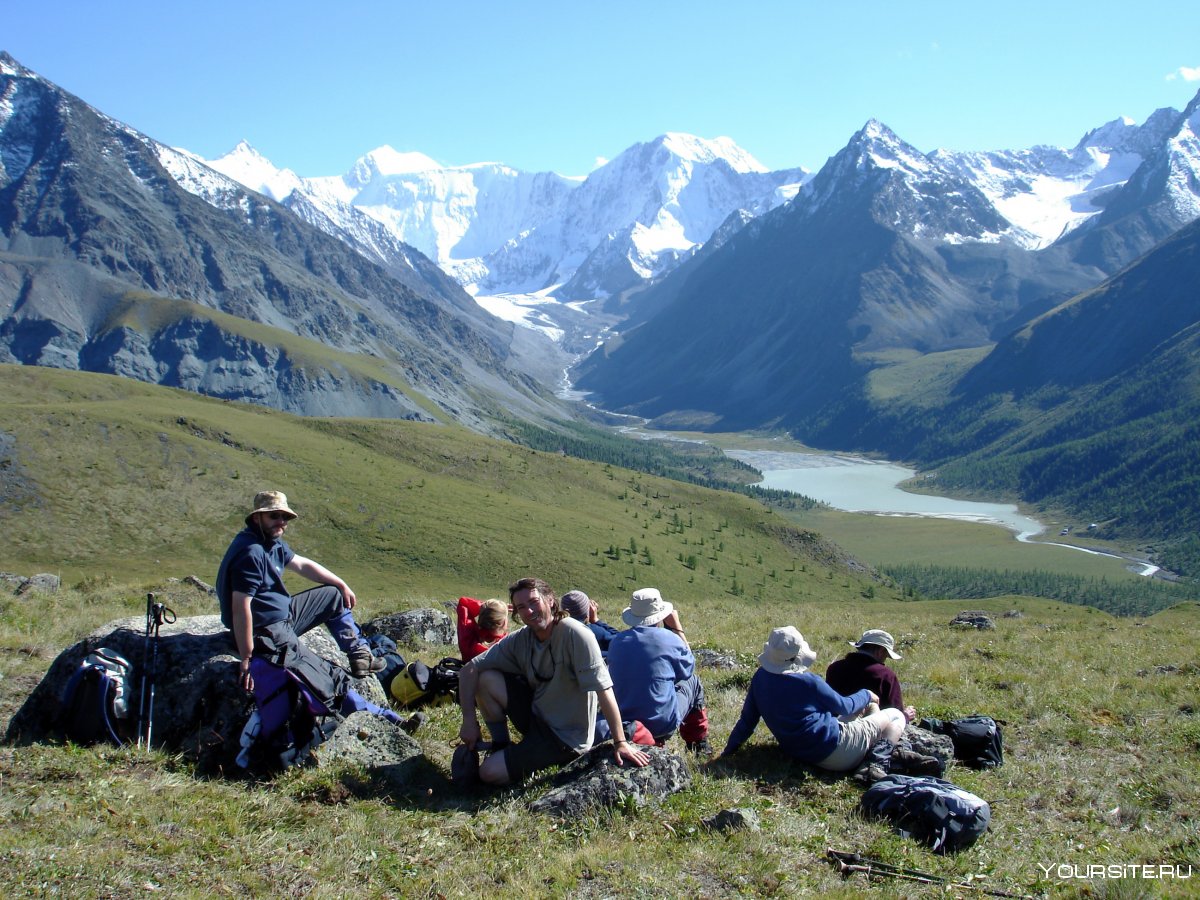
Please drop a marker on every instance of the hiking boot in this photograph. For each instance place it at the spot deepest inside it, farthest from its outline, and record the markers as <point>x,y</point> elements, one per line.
<point>909,762</point>
<point>464,767</point>
<point>869,773</point>
<point>699,748</point>
<point>876,763</point>
<point>413,722</point>
<point>363,662</point>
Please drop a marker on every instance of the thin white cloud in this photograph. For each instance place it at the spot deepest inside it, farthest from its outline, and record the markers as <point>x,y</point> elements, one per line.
<point>1187,73</point>
<point>600,161</point>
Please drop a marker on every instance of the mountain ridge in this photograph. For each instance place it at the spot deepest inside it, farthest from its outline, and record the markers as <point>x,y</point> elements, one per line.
<point>87,193</point>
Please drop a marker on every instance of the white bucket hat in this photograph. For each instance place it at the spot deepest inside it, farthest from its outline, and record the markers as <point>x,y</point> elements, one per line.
<point>786,652</point>
<point>646,607</point>
<point>879,638</point>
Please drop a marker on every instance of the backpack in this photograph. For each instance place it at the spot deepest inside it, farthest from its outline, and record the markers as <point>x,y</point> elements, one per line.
<point>937,813</point>
<point>288,723</point>
<point>95,702</point>
<point>418,685</point>
<point>383,646</point>
<point>978,741</point>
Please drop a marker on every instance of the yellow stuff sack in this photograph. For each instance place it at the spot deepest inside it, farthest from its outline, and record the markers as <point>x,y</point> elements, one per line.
<point>410,687</point>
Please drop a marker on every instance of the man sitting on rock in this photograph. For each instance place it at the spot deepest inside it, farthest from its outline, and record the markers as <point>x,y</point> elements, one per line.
<point>582,608</point>
<point>654,672</point>
<point>266,621</point>
<point>547,678</point>
<point>802,711</point>
<point>866,667</point>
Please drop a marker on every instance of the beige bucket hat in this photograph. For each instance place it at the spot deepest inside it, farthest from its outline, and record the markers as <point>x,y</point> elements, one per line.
<point>270,501</point>
<point>879,638</point>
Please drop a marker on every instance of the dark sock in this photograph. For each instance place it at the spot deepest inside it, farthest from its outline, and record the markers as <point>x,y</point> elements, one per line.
<point>499,732</point>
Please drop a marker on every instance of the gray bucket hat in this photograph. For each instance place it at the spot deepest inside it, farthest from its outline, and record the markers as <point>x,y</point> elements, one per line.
<point>646,607</point>
<point>786,652</point>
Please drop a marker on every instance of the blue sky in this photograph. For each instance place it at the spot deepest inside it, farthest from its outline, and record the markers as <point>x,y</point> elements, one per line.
<point>558,85</point>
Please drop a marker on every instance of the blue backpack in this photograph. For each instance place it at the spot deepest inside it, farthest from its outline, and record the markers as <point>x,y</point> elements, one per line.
<point>384,647</point>
<point>96,701</point>
<point>940,815</point>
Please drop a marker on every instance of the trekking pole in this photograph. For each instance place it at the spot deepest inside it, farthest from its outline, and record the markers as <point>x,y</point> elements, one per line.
<point>156,614</point>
<point>849,863</point>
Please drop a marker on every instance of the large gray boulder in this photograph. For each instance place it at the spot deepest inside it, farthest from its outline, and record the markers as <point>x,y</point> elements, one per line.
<point>973,618</point>
<point>595,781</point>
<point>376,745</point>
<point>19,585</point>
<point>199,709</point>
<point>417,626</point>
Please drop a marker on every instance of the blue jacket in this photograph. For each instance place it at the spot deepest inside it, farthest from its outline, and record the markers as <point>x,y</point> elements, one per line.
<point>645,662</point>
<point>603,632</point>
<point>800,709</point>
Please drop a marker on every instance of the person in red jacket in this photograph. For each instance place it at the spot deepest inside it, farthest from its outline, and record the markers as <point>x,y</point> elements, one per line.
<point>480,625</point>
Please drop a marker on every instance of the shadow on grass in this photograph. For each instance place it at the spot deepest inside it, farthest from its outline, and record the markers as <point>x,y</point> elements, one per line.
<point>768,765</point>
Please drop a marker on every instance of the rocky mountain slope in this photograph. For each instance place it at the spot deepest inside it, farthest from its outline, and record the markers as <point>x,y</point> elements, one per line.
<point>886,251</point>
<point>118,254</point>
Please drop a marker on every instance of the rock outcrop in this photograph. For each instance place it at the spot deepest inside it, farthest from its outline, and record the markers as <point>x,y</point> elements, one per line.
<point>199,709</point>
<point>377,745</point>
<point>417,626</point>
<point>973,619</point>
<point>928,743</point>
<point>595,781</point>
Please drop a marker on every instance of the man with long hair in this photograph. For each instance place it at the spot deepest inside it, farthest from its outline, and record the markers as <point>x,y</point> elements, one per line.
<point>548,678</point>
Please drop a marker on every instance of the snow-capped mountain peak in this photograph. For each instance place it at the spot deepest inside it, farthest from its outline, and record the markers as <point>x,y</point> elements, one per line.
<point>1110,135</point>
<point>1046,191</point>
<point>879,145</point>
<point>387,161</point>
<point>251,169</point>
<point>708,151</point>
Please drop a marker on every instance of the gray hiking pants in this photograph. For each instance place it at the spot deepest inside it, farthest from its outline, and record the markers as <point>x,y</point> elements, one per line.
<point>279,643</point>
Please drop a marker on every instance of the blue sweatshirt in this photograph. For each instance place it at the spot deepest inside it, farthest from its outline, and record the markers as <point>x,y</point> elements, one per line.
<point>800,709</point>
<point>645,662</point>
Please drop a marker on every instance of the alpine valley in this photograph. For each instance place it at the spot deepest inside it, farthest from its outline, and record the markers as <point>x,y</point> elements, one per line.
<point>1023,323</point>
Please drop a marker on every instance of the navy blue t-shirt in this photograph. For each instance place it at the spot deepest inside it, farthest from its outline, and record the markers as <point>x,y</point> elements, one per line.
<point>255,567</point>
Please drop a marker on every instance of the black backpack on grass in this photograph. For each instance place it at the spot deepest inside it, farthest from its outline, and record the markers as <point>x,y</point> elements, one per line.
<point>978,740</point>
<point>940,815</point>
<point>96,701</point>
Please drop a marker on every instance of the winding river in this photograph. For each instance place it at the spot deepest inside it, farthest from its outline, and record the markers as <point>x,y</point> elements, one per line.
<point>855,484</point>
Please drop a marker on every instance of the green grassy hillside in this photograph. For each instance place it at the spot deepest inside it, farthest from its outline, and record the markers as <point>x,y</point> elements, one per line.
<point>108,476</point>
<point>1102,757</point>
<point>124,487</point>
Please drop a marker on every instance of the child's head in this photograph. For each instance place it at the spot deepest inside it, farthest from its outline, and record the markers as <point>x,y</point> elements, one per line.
<point>493,618</point>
